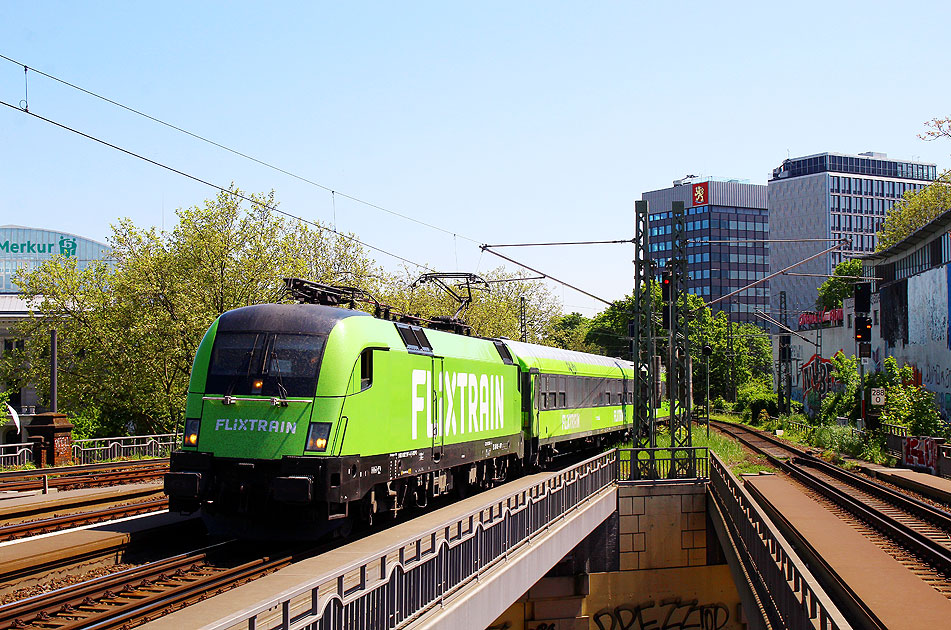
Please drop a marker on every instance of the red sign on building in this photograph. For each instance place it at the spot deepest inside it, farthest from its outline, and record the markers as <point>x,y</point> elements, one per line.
<point>701,194</point>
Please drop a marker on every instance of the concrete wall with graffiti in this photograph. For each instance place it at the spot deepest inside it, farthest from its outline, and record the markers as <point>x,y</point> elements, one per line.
<point>928,349</point>
<point>811,368</point>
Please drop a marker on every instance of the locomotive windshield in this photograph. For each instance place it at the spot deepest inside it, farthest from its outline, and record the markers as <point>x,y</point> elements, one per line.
<point>264,364</point>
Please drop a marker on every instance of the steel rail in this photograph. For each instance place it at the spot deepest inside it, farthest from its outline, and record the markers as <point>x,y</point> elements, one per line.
<point>928,550</point>
<point>56,523</point>
<point>17,614</point>
<point>83,468</point>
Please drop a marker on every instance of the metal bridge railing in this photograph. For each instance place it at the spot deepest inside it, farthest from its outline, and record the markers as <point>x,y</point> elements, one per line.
<point>636,464</point>
<point>394,586</point>
<point>104,449</point>
<point>894,434</point>
<point>19,454</point>
<point>783,577</point>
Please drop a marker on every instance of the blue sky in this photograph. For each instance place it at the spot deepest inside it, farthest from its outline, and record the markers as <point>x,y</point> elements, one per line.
<point>497,121</point>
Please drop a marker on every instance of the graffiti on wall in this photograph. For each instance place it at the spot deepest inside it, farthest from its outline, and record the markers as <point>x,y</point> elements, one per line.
<point>920,453</point>
<point>816,378</point>
<point>667,615</point>
<point>816,375</point>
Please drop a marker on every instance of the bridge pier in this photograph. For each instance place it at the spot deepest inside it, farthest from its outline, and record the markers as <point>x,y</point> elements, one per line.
<point>656,562</point>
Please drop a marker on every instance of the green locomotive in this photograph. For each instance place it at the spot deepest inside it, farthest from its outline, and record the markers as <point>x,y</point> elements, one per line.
<point>299,415</point>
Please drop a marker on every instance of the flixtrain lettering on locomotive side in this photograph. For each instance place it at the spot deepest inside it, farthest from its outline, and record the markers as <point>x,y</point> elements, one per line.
<point>307,416</point>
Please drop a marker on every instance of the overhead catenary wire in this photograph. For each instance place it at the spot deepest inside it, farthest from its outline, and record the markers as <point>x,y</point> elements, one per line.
<point>215,186</point>
<point>630,240</point>
<point>486,248</point>
<point>229,149</point>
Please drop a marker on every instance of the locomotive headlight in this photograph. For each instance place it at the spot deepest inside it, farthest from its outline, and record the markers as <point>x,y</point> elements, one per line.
<point>191,431</point>
<point>317,436</point>
<point>256,386</point>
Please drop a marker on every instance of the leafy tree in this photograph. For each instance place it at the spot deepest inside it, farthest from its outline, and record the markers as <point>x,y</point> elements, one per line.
<point>837,288</point>
<point>914,210</point>
<point>129,330</point>
<point>570,332</point>
<point>492,313</point>
<point>751,354</point>
<point>907,404</point>
<point>845,402</point>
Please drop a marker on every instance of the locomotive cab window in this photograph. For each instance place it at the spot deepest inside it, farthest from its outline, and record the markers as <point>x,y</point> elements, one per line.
<point>265,364</point>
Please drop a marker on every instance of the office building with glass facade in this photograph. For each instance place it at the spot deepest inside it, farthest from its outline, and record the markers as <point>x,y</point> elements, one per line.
<point>28,248</point>
<point>731,210</point>
<point>827,197</point>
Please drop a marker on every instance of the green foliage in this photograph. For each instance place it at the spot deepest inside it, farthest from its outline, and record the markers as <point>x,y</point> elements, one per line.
<point>837,288</point>
<point>907,404</point>
<point>750,354</point>
<point>721,405</point>
<point>838,438</point>
<point>493,313</point>
<point>753,389</point>
<point>845,401</point>
<point>570,332</point>
<point>736,457</point>
<point>915,210</point>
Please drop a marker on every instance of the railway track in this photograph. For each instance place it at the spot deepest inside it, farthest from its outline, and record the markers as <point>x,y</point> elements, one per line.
<point>900,524</point>
<point>138,595</point>
<point>67,521</point>
<point>85,476</point>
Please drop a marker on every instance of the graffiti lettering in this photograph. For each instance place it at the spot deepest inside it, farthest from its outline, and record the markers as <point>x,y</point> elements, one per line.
<point>817,375</point>
<point>919,452</point>
<point>669,615</point>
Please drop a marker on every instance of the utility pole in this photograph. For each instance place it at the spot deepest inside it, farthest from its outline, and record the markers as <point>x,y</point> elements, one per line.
<point>732,356</point>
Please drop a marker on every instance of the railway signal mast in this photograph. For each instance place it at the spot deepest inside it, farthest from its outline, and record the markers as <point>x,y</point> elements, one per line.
<point>863,333</point>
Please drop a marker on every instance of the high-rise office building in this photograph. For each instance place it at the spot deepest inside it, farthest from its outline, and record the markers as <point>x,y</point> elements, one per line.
<point>826,197</point>
<point>730,210</point>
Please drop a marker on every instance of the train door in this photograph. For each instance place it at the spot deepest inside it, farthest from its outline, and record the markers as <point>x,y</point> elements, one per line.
<point>530,384</point>
<point>438,413</point>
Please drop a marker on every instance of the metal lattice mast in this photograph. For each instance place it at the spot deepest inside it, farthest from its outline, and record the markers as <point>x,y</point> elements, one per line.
<point>522,320</point>
<point>642,342</point>
<point>784,367</point>
<point>679,347</point>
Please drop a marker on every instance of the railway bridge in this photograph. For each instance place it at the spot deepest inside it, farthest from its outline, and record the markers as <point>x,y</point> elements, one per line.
<point>603,544</point>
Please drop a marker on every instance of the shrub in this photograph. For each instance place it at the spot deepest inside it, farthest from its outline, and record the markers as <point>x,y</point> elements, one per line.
<point>764,402</point>
<point>720,404</point>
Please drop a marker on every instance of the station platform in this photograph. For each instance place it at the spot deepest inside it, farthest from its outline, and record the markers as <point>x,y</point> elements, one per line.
<point>932,486</point>
<point>16,504</point>
<point>39,558</point>
<point>270,586</point>
<point>893,594</point>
